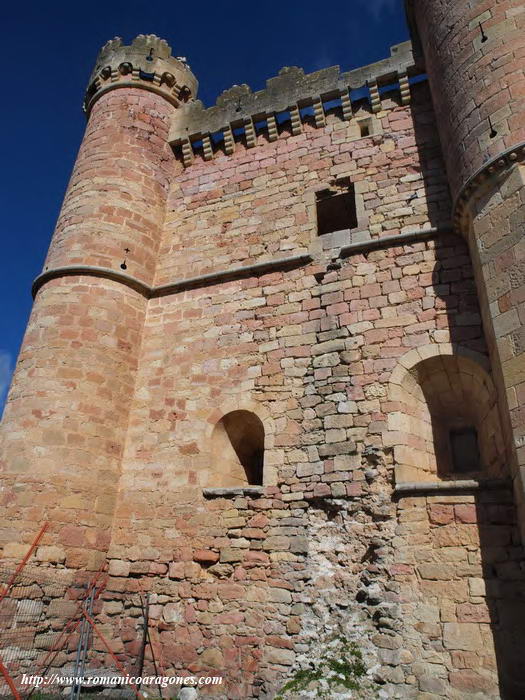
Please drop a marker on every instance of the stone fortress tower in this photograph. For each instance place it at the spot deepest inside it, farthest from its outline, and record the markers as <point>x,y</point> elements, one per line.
<point>274,370</point>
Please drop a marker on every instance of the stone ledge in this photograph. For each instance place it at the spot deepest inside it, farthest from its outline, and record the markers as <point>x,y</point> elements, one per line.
<point>205,280</point>
<point>405,488</point>
<point>235,273</point>
<point>233,492</point>
<point>396,240</point>
<point>280,264</point>
<point>288,263</point>
<point>90,271</point>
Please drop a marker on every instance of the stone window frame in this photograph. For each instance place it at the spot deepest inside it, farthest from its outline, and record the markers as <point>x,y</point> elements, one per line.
<point>336,239</point>
<point>240,433</point>
<point>480,365</point>
<point>271,459</point>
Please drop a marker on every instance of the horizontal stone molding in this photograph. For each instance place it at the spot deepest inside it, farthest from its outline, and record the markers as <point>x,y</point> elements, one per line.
<point>234,492</point>
<point>493,167</point>
<point>393,241</point>
<point>423,488</point>
<point>290,91</point>
<point>235,273</point>
<point>173,287</point>
<point>142,85</point>
<point>90,271</point>
<point>211,278</point>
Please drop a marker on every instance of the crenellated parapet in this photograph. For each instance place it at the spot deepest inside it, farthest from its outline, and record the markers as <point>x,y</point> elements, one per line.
<point>240,109</point>
<point>148,64</point>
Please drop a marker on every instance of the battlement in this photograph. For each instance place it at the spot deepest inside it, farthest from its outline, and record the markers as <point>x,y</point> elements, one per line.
<point>291,91</point>
<point>147,63</point>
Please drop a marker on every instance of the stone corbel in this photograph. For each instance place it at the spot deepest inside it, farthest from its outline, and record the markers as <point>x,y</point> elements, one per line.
<point>249,132</point>
<point>295,120</point>
<point>229,141</point>
<point>271,123</point>
<point>346,104</point>
<point>207,149</point>
<point>319,115</point>
<point>187,153</point>
<point>404,88</point>
<point>375,97</point>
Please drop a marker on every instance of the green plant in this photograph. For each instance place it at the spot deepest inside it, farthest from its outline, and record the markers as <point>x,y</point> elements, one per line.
<point>340,667</point>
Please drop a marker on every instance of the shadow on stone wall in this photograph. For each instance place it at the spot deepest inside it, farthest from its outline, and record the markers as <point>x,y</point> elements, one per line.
<point>497,595</point>
<point>495,571</point>
<point>503,574</point>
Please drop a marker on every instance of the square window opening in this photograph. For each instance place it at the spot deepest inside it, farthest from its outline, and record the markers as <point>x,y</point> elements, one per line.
<point>336,211</point>
<point>364,128</point>
<point>465,450</point>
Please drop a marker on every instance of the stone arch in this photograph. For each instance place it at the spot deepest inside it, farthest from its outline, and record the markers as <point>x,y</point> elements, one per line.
<point>435,393</point>
<point>240,441</point>
<point>238,449</point>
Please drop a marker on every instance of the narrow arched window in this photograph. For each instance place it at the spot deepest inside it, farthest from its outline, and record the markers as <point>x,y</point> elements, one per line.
<point>448,422</point>
<point>238,449</point>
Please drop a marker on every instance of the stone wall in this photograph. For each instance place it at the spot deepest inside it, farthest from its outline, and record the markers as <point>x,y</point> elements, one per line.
<point>496,242</point>
<point>248,582</point>
<point>258,585</point>
<point>473,53</point>
<point>259,204</point>
<point>64,425</point>
<point>459,571</point>
<point>266,580</point>
<point>476,74</point>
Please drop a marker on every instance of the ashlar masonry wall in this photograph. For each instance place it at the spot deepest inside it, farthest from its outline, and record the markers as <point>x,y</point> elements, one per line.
<point>258,204</point>
<point>346,355</point>
<point>254,583</point>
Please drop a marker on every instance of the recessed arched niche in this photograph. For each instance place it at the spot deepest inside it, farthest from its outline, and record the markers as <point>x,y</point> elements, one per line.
<point>446,422</point>
<point>237,443</point>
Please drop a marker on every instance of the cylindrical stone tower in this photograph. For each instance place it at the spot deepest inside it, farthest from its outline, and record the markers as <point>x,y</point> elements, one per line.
<point>65,421</point>
<point>473,54</point>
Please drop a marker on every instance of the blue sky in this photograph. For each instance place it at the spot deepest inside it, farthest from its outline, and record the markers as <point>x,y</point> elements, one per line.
<point>49,50</point>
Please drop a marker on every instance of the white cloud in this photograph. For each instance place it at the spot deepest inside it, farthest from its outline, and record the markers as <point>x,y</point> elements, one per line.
<point>380,8</point>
